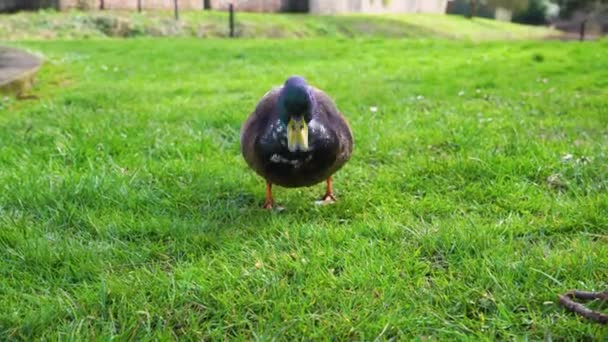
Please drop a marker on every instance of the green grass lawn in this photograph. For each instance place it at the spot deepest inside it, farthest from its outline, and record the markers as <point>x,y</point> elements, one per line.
<point>46,25</point>
<point>477,192</point>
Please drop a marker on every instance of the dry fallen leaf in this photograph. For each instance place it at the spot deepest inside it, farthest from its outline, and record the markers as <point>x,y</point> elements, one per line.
<point>556,181</point>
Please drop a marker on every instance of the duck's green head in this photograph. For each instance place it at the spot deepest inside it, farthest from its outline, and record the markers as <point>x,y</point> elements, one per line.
<point>296,105</point>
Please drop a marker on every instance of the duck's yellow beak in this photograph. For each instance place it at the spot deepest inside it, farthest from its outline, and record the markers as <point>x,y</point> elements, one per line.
<point>297,135</point>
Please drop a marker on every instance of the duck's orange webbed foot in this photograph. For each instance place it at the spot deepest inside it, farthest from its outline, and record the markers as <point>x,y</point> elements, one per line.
<point>329,197</point>
<point>267,205</point>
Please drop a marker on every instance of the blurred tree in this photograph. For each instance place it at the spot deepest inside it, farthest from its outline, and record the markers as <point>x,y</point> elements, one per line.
<point>513,5</point>
<point>569,7</point>
<point>535,14</point>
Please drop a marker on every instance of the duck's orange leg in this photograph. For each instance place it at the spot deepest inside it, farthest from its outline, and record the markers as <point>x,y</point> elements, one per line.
<point>268,203</point>
<point>329,192</point>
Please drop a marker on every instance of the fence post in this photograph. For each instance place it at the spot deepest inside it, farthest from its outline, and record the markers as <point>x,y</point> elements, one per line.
<point>472,9</point>
<point>101,5</point>
<point>176,9</point>
<point>582,32</point>
<point>231,18</point>
<point>139,6</point>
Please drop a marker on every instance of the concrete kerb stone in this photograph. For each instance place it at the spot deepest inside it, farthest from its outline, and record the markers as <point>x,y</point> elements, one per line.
<point>17,71</point>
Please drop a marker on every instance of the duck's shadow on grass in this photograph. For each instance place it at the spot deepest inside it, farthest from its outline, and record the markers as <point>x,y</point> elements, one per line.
<point>233,206</point>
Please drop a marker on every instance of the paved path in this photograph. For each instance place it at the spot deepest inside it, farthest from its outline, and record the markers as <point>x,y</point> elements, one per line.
<point>17,70</point>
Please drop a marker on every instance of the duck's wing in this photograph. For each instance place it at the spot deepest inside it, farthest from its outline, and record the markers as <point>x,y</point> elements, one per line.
<point>331,117</point>
<point>265,113</point>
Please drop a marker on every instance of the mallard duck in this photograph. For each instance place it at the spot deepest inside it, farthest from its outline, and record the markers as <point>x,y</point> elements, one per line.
<point>296,137</point>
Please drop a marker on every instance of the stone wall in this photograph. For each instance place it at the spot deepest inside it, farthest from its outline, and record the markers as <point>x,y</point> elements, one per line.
<point>8,5</point>
<point>131,4</point>
<point>249,5</point>
<point>377,6</point>
<point>17,5</point>
<point>240,5</point>
<point>312,6</point>
<point>432,6</point>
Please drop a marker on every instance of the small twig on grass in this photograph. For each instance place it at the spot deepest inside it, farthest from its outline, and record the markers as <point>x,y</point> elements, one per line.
<point>567,301</point>
<point>26,97</point>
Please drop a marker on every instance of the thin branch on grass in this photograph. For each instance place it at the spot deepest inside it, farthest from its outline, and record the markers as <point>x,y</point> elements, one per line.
<point>567,301</point>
